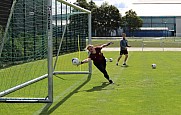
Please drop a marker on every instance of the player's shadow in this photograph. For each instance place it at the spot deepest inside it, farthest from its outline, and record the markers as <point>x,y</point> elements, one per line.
<point>47,110</point>
<point>98,88</point>
<point>125,66</point>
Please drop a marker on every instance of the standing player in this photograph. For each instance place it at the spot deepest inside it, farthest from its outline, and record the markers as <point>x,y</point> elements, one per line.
<point>123,49</point>
<point>98,59</point>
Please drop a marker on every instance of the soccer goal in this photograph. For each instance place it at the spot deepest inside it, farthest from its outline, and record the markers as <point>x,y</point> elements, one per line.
<point>71,30</point>
<point>38,39</point>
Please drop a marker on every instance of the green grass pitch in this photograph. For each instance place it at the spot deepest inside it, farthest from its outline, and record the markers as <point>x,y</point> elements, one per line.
<point>138,89</point>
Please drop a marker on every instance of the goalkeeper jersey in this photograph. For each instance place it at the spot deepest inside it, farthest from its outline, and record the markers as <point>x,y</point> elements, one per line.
<point>98,57</point>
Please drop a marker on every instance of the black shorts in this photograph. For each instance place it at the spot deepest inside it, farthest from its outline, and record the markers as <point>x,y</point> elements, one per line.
<point>123,52</point>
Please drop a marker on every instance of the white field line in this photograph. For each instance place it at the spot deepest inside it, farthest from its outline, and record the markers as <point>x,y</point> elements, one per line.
<point>158,38</point>
<point>143,49</point>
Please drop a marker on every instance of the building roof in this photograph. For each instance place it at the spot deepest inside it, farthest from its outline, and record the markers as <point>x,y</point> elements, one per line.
<point>156,7</point>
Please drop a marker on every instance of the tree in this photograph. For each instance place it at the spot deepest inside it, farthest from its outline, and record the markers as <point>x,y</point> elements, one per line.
<point>1,33</point>
<point>131,21</point>
<point>92,5</point>
<point>106,19</point>
<point>82,3</point>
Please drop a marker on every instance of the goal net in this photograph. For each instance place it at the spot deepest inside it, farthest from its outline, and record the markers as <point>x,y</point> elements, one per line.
<point>38,38</point>
<point>71,29</point>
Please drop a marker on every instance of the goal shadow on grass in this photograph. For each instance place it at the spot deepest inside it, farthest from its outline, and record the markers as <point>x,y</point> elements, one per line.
<point>47,110</point>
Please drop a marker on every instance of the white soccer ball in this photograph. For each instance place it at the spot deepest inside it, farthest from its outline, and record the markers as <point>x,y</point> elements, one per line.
<point>106,60</point>
<point>75,61</point>
<point>110,59</point>
<point>153,66</point>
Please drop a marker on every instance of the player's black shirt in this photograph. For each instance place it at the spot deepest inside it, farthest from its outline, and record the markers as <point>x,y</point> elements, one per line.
<point>98,57</point>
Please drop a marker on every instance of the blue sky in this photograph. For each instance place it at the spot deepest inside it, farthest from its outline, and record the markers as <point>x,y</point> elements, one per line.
<point>144,9</point>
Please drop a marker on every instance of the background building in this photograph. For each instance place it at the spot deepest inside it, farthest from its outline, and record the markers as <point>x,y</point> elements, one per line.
<point>157,26</point>
<point>160,17</point>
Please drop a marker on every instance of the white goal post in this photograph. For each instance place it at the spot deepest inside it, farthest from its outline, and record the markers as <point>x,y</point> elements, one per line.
<point>27,52</point>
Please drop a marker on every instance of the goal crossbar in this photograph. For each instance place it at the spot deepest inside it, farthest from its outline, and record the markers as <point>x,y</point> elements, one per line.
<point>74,6</point>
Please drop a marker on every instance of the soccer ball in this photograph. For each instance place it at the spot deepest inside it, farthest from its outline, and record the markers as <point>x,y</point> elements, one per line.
<point>110,59</point>
<point>106,59</point>
<point>75,61</point>
<point>153,66</point>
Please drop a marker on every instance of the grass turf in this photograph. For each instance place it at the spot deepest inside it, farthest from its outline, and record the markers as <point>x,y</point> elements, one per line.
<point>138,89</point>
<point>142,42</point>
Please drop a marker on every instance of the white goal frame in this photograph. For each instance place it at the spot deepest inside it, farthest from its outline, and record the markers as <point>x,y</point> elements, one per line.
<point>50,72</point>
